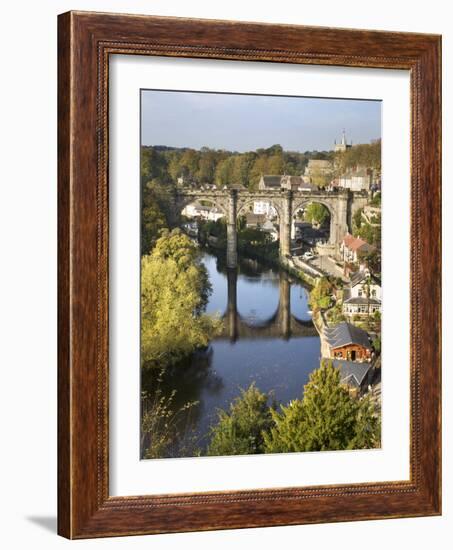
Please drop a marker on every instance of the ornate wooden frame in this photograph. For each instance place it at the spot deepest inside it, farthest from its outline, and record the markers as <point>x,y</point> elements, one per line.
<point>85,41</point>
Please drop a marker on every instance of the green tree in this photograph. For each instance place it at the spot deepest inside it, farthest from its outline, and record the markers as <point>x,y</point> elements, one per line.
<point>366,155</point>
<point>175,169</point>
<point>174,291</point>
<point>153,221</point>
<point>316,213</point>
<point>369,233</point>
<point>276,164</point>
<point>376,200</point>
<point>242,165</point>
<point>321,294</point>
<point>152,164</point>
<point>260,167</point>
<point>206,166</point>
<point>240,430</point>
<point>327,418</point>
<point>189,164</point>
<point>321,178</point>
<point>224,172</point>
<point>357,218</point>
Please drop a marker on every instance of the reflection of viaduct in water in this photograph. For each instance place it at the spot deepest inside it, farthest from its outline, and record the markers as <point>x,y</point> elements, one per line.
<point>281,324</point>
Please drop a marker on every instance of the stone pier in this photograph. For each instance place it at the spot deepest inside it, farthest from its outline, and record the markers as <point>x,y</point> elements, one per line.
<point>232,238</point>
<point>284,316</point>
<point>285,226</point>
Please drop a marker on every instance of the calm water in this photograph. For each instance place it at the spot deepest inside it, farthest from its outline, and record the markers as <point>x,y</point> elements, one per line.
<point>268,339</point>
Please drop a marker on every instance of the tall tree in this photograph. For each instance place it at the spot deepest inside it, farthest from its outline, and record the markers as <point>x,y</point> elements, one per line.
<point>327,418</point>
<point>153,221</point>
<point>224,171</point>
<point>174,291</point>
<point>206,166</point>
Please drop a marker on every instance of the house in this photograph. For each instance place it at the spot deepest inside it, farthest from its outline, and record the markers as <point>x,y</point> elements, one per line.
<point>353,248</point>
<point>363,294</point>
<point>196,210</point>
<point>357,376</point>
<point>307,185</point>
<point>356,180</point>
<point>264,207</point>
<point>269,182</point>
<point>191,228</point>
<point>346,341</point>
<point>293,183</point>
<point>268,227</point>
<point>214,214</point>
<point>254,220</point>
<point>192,210</point>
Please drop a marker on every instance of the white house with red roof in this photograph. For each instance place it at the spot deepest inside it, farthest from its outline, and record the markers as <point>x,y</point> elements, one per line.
<point>352,248</point>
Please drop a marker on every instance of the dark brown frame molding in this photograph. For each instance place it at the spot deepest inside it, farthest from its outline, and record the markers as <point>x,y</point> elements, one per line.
<point>85,42</point>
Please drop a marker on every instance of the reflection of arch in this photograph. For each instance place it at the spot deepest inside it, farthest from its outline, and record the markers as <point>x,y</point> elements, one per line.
<point>281,323</point>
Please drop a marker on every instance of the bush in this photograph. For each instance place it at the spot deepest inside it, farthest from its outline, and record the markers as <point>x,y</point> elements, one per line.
<point>240,430</point>
<point>321,294</point>
<point>161,425</point>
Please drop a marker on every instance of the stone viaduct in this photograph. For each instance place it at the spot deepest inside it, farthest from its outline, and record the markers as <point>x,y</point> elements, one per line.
<point>235,202</point>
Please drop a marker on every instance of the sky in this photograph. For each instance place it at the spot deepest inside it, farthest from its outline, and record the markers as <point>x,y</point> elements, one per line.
<point>237,122</point>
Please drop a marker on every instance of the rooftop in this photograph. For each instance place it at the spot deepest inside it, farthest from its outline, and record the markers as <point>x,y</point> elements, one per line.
<point>352,371</point>
<point>345,334</point>
<point>356,243</point>
<point>271,180</point>
<point>361,275</point>
<point>362,301</point>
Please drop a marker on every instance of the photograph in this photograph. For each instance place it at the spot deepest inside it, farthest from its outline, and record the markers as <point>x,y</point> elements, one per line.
<point>261,292</point>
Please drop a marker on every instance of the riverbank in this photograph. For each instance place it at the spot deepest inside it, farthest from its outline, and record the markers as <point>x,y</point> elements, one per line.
<point>320,324</point>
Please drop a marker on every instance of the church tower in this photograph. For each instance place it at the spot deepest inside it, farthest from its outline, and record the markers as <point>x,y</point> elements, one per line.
<point>342,146</point>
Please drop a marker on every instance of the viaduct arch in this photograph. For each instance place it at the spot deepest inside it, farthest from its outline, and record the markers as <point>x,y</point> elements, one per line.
<point>341,205</point>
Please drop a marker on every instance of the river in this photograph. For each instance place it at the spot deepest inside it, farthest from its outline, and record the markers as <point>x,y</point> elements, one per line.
<point>268,339</point>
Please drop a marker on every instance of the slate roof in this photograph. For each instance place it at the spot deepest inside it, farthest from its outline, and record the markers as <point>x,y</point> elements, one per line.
<point>360,276</point>
<point>272,181</point>
<point>352,371</point>
<point>294,180</point>
<point>362,301</point>
<point>345,334</point>
<point>308,186</point>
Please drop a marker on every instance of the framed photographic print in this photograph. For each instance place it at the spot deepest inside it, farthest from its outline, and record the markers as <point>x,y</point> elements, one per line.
<point>249,275</point>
